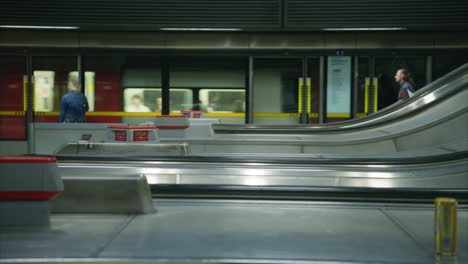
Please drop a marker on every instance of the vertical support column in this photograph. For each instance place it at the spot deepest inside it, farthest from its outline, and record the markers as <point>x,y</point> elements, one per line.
<point>428,69</point>
<point>250,90</point>
<point>81,74</point>
<point>355,87</point>
<point>304,97</point>
<point>30,105</point>
<point>165,78</point>
<point>366,95</point>
<point>371,98</point>
<point>376,94</point>
<point>322,91</point>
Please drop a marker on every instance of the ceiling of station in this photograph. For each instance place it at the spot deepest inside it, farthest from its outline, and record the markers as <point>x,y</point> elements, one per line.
<point>246,15</point>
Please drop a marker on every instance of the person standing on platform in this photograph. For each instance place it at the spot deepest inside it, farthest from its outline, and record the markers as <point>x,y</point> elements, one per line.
<point>403,78</point>
<point>74,105</point>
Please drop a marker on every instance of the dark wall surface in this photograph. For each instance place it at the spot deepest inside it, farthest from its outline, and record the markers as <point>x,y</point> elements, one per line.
<point>257,15</point>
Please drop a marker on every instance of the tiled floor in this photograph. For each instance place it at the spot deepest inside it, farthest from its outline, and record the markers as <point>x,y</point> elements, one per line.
<point>240,231</point>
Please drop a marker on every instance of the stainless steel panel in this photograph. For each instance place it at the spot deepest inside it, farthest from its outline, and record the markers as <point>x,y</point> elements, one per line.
<point>451,40</point>
<point>287,41</point>
<point>111,195</point>
<point>138,149</point>
<point>25,38</point>
<point>452,130</point>
<point>439,175</point>
<point>207,41</point>
<point>362,148</point>
<point>335,40</point>
<point>457,145</point>
<point>51,136</point>
<point>251,147</point>
<point>122,40</point>
<point>375,40</point>
<point>290,40</point>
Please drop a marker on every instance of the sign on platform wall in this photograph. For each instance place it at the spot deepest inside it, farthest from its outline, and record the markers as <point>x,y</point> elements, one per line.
<point>339,85</point>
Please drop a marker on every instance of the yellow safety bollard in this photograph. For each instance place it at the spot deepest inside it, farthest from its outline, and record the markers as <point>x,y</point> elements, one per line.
<point>445,226</point>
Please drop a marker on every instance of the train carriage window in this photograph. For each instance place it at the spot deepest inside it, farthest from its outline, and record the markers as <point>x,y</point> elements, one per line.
<point>142,100</point>
<point>222,100</point>
<point>150,99</point>
<point>181,99</point>
<point>89,86</point>
<point>217,83</point>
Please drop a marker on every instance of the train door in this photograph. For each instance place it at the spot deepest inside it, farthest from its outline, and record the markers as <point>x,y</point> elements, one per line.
<point>103,76</point>
<point>12,91</point>
<point>217,83</point>
<point>275,90</point>
<point>313,90</point>
<point>52,80</point>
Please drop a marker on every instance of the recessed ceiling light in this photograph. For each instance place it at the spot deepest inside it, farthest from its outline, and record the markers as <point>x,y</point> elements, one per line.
<point>364,29</point>
<point>201,29</point>
<point>37,27</point>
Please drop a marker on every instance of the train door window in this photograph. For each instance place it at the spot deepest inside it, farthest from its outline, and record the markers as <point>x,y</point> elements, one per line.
<point>181,99</point>
<point>44,91</point>
<point>89,86</point>
<point>276,90</point>
<point>222,100</point>
<point>52,80</point>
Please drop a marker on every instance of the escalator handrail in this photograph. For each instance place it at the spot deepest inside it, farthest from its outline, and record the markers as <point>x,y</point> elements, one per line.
<point>456,156</point>
<point>387,112</point>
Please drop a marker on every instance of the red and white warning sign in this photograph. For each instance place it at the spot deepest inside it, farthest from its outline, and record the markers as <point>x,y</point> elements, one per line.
<point>193,114</point>
<point>132,133</point>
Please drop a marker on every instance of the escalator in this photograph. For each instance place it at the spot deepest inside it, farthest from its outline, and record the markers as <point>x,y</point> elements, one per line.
<point>426,97</point>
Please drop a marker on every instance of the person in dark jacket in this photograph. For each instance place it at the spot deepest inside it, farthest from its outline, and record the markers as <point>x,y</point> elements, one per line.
<point>74,105</point>
<point>403,78</point>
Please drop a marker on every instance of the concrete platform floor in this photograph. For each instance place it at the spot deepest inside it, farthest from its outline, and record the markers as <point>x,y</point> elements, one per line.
<point>238,231</point>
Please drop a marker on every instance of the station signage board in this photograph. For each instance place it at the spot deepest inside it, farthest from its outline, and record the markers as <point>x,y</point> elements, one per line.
<point>339,85</point>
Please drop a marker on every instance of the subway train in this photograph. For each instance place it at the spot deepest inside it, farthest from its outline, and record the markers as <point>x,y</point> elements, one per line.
<point>128,88</point>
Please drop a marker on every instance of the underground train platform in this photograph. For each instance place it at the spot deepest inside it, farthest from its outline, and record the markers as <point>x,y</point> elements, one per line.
<point>234,132</point>
<point>238,231</point>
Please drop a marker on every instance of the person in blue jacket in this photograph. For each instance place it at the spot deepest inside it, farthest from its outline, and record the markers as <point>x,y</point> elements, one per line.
<point>74,105</point>
<point>403,78</point>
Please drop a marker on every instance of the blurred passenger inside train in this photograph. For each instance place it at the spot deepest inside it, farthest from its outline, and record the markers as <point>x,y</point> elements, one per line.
<point>403,77</point>
<point>158,102</point>
<point>238,106</point>
<point>74,105</point>
<point>137,105</point>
